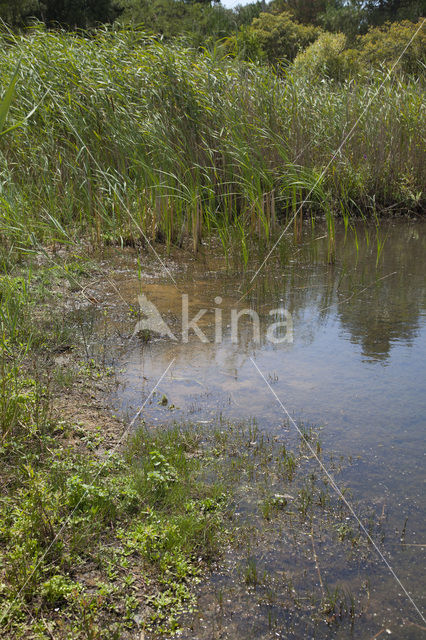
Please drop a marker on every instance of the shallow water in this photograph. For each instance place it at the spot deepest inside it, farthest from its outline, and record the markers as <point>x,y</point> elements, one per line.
<point>355,366</point>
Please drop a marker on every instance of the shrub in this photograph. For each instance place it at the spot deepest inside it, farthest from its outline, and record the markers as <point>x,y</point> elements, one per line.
<point>384,45</point>
<point>327,57</point>
<point>281,37</point>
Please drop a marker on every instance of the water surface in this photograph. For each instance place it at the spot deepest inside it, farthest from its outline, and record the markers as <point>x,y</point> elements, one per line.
<point>355,366</point>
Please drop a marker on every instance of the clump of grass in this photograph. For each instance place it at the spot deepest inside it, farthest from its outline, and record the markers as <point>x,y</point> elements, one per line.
<point>251,574</point>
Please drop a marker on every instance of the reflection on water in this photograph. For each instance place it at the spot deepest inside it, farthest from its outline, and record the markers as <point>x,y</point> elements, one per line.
<point>356,366</point>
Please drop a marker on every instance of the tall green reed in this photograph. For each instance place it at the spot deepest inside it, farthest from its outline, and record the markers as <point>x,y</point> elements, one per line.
<point>137,138</point>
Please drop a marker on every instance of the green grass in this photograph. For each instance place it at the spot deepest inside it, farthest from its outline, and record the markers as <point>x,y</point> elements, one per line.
<point>135,140</point>
<point>144,517</point>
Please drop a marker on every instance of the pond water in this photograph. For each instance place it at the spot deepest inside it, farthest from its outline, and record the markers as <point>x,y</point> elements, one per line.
<point>353,362</point>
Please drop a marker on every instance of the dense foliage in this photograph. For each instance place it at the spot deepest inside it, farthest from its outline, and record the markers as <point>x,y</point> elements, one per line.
<point>204,20</point>
<point>386,44</point>
<point>73,13</point>
<point>372,32</point>
<point>179,125</point>
<point>136,136</point>
<point>282,37</point>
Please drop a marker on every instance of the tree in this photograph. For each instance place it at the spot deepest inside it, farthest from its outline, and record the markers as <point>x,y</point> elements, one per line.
<point>327,58</point>
<point>381,11</point>
<point>79,14</point>
<point>15,12</point>
<point>197,21</point>
<point>67,13</point>
<point>345,16</point>
<point>384,45</point>
<point>245,14</point>
<point>305,11</point>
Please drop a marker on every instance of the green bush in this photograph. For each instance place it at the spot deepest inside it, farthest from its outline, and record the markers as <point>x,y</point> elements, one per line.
<point>327,57</point>
<point>384,46</point>
<point>281,37</point>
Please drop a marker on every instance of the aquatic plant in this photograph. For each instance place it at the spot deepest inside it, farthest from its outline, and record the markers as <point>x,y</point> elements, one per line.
<point>135,140</point>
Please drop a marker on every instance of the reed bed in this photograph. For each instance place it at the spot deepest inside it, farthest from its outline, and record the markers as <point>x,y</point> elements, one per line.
<point>133,137</point>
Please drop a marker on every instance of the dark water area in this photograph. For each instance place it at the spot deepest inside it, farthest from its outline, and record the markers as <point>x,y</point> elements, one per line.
<point>353,364</point>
